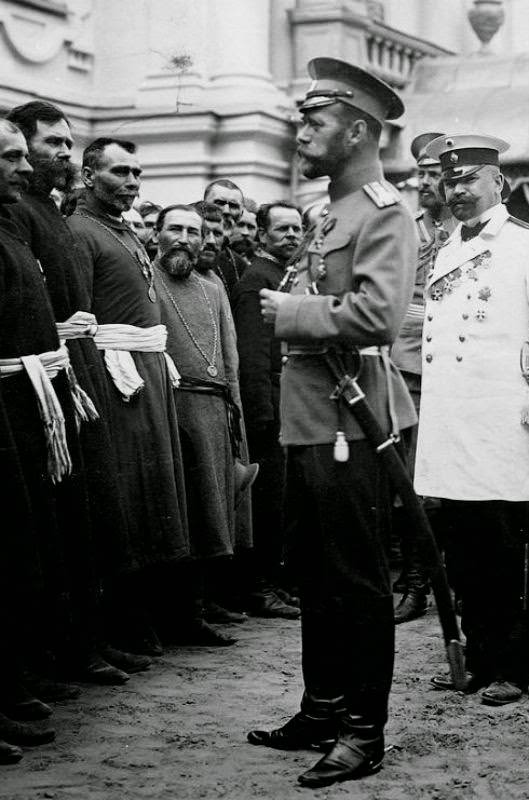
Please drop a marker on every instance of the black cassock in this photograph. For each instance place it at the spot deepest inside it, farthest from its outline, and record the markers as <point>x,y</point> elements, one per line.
<point>43,525</point>
<point>145,428</point>
<point>51,241</point>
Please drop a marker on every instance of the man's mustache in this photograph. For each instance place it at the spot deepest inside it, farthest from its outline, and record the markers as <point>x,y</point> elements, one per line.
<point>179,248</point>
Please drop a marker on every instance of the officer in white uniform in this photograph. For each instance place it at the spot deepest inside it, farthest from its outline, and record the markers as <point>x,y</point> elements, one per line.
<point>473,441</point>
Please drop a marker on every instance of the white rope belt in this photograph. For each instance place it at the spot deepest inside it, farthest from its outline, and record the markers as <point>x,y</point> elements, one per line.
<point>119,341</point>
<point>41,369</point>
<point>81,325</point>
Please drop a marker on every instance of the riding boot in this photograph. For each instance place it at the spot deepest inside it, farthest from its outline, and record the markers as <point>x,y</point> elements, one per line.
<point>413,602</point>
<point>357,753</point>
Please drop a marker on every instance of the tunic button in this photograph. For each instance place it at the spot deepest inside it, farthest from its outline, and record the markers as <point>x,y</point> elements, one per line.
<point>428,338</point>
<point>429,357</point>
<point>284,359</point>
<point>465,316</point>
<point>469,297</point>
<point>459,358</point>
<point>429,317</point>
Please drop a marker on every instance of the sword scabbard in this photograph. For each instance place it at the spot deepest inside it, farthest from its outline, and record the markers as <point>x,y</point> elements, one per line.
<point>455,654</point>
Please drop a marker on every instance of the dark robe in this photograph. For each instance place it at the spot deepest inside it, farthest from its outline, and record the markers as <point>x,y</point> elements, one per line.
<point>260,368</point>
<point>42,518</point>
<point>202,418</point>
<point>146,432</point>
<point>229,266</point>
<point>50,239</point>
<point>259,350</point>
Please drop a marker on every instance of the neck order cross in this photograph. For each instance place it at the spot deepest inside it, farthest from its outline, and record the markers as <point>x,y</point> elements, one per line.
<point>211,369</point>
<point>140,257</point>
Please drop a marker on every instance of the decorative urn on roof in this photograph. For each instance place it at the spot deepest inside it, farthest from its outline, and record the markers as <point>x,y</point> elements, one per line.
<point>486,18</point>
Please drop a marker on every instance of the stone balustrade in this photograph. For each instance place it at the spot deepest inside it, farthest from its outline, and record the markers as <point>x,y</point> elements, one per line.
<point>392,54</point>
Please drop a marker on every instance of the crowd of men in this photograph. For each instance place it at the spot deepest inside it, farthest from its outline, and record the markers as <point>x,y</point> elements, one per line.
<point>175,453</point>
<point>124,443</point>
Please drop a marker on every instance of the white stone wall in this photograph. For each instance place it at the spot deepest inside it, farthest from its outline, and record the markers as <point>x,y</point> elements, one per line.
<point>111,64</point>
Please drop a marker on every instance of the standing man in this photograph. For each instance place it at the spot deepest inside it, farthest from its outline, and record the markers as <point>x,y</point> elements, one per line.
<point>352,289</point>
<point>213,233</point>
<point>434,224</point>
<point>38,444</point>
<point>227,196</point>
<point>260,371</point>
<point>473,443</point>
<point>243,237</point>
<point>123,297</point>
<point>208,403</point>
<point>49,138</point>
<point>135,220</point>
<point>149,212</point>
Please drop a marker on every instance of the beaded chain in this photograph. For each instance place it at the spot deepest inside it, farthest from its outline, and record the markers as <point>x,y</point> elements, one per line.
<point>144,263</point>
<point>211,368</point>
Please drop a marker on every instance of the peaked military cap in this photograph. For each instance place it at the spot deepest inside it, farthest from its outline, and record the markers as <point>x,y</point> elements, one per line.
<point>465,154</point>
<point>418,147</point>
<point>335,81</point>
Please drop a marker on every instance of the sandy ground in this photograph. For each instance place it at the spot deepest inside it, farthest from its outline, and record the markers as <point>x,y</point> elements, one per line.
<point>178,731</point>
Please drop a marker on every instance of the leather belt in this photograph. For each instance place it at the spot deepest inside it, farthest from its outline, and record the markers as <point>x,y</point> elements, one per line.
<point>300,350</point>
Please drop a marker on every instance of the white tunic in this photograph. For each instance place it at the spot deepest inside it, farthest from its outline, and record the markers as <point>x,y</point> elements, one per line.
<point>471,443</point>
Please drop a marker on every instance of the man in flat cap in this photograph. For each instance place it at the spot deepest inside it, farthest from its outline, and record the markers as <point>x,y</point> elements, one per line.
<point>473,442</point>
<point>352,286</point>
<point>434,224</point>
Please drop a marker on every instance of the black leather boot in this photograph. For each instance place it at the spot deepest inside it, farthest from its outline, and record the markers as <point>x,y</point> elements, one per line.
<point>49,690</point>
<point>24,734</point>
<point>299,733</point>
<point>127,662</point>
<point>413,602</point>
<point>412,605</point>
<point>357,753</point>
<point>19,703</point>
<point>9,753</point>
<point>94,669</point>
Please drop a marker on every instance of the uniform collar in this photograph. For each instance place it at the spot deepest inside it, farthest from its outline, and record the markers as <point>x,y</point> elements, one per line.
<point>455,252</point>
<point>495,216</point>
<point>347,184</point>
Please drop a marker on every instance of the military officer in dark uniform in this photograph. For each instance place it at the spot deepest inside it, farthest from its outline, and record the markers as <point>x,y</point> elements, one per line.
<point>434,223</point>
<point>353,285</point>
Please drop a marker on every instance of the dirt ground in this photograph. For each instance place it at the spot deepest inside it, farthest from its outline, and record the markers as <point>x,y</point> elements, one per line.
<point>178,731</point>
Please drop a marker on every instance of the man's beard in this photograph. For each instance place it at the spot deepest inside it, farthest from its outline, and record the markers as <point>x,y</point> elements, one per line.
<point>152,249</point>
<point>51,174</point>
<point>177,262</point>
<point>206,259</point>
<point>244,247</point>
<point>431,202</point>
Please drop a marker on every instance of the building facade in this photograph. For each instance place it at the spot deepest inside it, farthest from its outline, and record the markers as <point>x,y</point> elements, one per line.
<point>208,88</point>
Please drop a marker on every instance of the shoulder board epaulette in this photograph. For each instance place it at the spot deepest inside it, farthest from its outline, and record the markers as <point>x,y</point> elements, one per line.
<point>382,193</point>
<point>519,222</point>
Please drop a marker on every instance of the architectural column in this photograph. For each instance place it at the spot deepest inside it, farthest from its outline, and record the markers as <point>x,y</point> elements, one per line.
<point>239,58</point>
<point>333,28</point>
<point>120,50</point>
